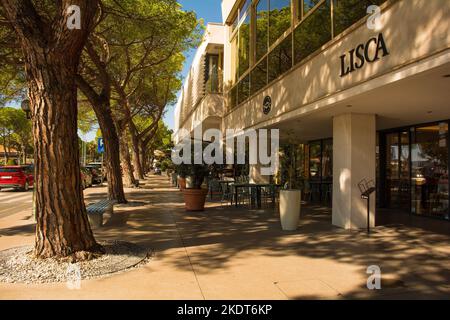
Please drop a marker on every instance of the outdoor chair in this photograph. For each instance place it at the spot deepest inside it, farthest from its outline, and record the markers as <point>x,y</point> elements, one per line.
<point>214,188</point>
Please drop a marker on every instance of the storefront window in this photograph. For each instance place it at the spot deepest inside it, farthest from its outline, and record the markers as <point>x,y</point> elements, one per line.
<point>315,155</point>
<point>262,28</point>
<point>279,19</point>
<point>429,152</point>
<point>313,32</point>
<point>327,160</point>
<point>280,59</point>
<point>347,12</point>
<point>233,97</point>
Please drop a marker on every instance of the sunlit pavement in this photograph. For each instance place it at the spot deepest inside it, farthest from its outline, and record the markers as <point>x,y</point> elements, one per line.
<point>237,253</point>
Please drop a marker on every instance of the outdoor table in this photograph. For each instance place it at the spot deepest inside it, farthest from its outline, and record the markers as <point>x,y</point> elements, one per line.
<point>254,186</point>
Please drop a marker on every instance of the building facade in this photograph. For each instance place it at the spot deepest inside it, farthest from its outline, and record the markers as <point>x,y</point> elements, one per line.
<point>362,86</point>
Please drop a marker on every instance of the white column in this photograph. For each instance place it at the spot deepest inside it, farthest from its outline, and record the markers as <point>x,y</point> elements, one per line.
<point>354,159</point>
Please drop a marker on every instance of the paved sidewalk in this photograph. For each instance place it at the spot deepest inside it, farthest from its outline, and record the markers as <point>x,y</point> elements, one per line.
<point>229,253</point>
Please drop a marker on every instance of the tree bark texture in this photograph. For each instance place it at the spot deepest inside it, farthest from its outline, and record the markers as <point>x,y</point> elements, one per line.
<point>51,54</point>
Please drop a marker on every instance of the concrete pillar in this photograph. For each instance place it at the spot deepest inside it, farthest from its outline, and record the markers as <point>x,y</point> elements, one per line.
<point>354,159</point>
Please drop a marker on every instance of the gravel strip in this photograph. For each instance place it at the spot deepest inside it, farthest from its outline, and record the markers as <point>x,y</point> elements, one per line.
<point>18,266</point>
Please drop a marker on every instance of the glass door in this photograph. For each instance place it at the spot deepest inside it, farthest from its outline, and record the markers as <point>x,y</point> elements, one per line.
<point>397,170</point>
<point>430,185</point>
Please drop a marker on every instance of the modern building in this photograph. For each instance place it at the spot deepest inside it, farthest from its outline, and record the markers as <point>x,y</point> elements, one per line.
<point>362,91</point>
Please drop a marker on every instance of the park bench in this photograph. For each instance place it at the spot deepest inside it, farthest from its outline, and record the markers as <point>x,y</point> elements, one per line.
<point>96,210</point>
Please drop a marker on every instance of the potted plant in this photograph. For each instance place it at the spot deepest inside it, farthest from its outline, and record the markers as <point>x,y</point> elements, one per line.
<point>195,195</point>
<point>181,171</point>
<point>290,197</point>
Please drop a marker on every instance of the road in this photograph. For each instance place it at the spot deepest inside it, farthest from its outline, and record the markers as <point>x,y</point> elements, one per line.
<point>12,202</point>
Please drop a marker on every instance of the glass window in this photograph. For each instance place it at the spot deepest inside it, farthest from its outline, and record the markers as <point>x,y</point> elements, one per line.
<point>313,32</point>
<point>243,89</point>
<point>234,59</point>
<point>347,12</point>
<point>233,97</point>
<point>280,59</point>
<point>327,160</point>
<point>245,5</point>
<point>429,155</point>
<point>244,46</point>
<point>234,24</point>
<point>279,18</point>
<point>308,5</point>
<point>259,76</point>
<point>262,28</point>
<point>315,156</point>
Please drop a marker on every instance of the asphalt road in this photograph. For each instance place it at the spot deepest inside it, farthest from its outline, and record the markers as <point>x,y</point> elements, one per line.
<point>12,202</point>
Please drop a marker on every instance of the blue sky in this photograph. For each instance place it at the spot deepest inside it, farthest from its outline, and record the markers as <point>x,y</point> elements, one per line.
<point>209,11</point>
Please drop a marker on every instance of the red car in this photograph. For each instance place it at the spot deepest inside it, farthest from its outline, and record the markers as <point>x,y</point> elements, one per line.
<point>17,177</point>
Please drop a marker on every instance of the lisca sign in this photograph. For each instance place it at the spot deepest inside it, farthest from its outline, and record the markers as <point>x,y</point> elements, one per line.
<point>372,51</point>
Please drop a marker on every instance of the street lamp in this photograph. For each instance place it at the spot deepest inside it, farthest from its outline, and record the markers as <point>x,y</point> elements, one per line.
<point>25,105</point>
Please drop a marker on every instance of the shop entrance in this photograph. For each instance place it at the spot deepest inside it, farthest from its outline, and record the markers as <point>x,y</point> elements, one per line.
<point>414,168</point>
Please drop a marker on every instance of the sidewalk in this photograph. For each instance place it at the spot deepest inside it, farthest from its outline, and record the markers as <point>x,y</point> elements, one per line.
<point>229,253</point>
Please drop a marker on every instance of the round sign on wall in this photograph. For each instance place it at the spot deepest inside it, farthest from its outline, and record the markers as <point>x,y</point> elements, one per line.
<point>267,105</point>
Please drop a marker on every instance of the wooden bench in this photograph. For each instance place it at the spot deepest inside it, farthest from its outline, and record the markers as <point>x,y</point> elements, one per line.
<point>96,210</point>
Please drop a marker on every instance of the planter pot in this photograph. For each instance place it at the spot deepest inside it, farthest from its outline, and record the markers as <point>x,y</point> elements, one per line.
<point>194,199</point>
<point>182,183</point>
<point>189,182</point>
<point>290,205</point>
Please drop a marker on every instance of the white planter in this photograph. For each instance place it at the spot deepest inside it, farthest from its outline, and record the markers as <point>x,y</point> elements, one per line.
<point>189,182</point>
<point>290,205</point>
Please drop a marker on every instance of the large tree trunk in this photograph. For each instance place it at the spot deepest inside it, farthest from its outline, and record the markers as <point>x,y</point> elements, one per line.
<point>129,180</point>
<point>112,154</point>
<point>51,55</point>
<point>136,153</point>
<point>143,156</point>
<point>62,225</point>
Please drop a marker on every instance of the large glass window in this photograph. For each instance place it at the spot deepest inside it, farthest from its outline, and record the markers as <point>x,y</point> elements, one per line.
<point>279,19</point>
<point>308,5</point>
<point>234,59</point>
<point>429,152</point>
<point>313,32</point>
<point>259,76</point>
<point>280,59</point>
<point>243,89</point>
<point>327,160</point>
<point>347,12</point>
<point>244,46</point>
<point>262,28</point>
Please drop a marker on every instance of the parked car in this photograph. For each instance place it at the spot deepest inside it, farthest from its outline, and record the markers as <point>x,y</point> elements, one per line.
<point>99,168</point>
<point>157,171</point>
<point>96,174</point>
<point>86,178</point>
<point>17,177</point>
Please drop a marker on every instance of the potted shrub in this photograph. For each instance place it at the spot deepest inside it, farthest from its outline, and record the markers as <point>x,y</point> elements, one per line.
<point>181,172</point>
<point>290,197</point>
<point>195,195</point>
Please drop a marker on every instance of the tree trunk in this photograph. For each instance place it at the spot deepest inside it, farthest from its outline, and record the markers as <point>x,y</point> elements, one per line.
<point>129,180</point>
<point>62,225</point>
<point>136,154</point>
<point>143,156</point>
<point>51,54</point>
<point>112,154</point>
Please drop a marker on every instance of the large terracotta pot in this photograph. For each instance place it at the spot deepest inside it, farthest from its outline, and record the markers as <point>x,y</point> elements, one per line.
<point>194,199</point>
<point>182,183</point>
